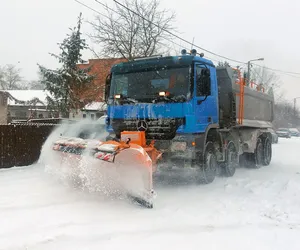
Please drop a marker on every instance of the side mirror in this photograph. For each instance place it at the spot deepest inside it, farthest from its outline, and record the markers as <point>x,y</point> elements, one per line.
<point>107,86</point>
<point>205,72</point>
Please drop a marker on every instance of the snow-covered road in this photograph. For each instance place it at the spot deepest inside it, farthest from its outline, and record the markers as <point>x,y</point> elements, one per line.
<point>254,209</point>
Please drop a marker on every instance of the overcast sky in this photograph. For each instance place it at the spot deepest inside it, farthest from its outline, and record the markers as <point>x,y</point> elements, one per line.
<point>242,30</point>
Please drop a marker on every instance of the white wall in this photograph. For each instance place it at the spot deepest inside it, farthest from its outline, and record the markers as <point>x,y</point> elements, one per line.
<point>86,114</point>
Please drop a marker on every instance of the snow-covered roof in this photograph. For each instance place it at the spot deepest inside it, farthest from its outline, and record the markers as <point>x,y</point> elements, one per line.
<point>27,95</point>
<point>101,106</point>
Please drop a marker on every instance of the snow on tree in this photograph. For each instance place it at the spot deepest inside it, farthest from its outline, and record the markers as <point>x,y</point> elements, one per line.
<point>126,32</point>
<point>67,82</point>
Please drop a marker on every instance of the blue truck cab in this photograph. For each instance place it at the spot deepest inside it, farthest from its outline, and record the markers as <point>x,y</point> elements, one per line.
<point>189,108</point>
<point>174,99</point>
<point>166,96</point>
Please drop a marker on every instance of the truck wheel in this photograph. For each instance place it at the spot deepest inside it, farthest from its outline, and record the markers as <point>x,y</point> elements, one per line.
<point>231,160</point>
<point>209,166</point>
<point>259,153</point>
<point>255,160</point>
<point>267,152</point>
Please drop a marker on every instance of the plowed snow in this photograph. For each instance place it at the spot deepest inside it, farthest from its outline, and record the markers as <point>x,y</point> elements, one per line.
<point>254,209</point>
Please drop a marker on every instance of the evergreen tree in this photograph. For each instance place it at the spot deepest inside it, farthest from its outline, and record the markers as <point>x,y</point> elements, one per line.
<point>67,82</point>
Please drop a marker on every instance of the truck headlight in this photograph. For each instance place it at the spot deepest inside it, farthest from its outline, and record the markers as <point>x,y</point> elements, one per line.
<point>178,146</point>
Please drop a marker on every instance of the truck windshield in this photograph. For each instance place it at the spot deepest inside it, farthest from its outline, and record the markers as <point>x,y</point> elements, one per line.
<point>145,86</point>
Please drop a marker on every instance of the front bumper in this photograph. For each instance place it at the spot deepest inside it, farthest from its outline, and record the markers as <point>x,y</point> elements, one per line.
<point>180,148</point>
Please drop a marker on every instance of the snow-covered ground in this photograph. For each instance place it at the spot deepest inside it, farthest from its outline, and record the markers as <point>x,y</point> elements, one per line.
<point>254,209</point>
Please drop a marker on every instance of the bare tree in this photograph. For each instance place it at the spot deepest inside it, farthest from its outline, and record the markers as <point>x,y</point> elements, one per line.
<point>223,64</point>
<point>10,77</point>
<point>268,79</point>
<point>36,84</point>
<point>285,115</point>
<point>2,78</point>
<point>123,33</point>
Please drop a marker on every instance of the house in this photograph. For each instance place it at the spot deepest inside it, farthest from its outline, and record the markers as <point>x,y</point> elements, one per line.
<point>3,107</point>
<point>26,104</point>
<point>94,110</point>
<point>91,111</point>
<point>93,97</point>
<point>100,68</point>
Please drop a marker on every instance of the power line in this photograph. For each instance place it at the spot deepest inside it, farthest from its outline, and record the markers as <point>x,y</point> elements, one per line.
<point>186,41</point>
<point>169,32</point>
<point>278,70</point>
<point>224,57</point>
<point>89,7</point>
<point>292,74</point>
<point>107,7</point>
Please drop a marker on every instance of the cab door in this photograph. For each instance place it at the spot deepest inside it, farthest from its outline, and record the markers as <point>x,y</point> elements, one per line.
<point>206,97</point>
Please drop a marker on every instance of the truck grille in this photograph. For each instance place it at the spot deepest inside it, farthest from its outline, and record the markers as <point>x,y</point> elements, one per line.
<point>161,129</point>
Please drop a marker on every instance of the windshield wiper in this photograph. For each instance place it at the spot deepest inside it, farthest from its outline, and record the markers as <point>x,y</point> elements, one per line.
<point>131,100</point>
<point>157,73</point>
<point>180,98</point>
<point>163,99</point>
<point>128,99</point>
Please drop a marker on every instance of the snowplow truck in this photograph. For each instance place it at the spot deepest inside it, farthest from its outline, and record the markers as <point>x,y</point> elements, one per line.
<point>195,114</point>
<point>169,114</point>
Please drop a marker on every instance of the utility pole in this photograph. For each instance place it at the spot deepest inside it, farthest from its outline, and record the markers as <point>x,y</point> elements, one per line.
<point>249,68</point>
<point>295,113</point>
<point>295,108</point>
<point>192,43</point>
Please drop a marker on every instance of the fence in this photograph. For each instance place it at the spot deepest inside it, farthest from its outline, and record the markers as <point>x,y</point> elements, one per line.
<point>20,144</point>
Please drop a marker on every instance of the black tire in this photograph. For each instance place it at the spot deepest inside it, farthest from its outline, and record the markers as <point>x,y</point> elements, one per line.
<point>209,167</point>
<point>274,139</point>
<point>255,160</point>
<point>267,152</point>
<point>232,160</point>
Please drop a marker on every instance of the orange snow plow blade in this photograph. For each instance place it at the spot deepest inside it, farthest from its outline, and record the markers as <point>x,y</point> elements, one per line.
<point>133,161</point>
